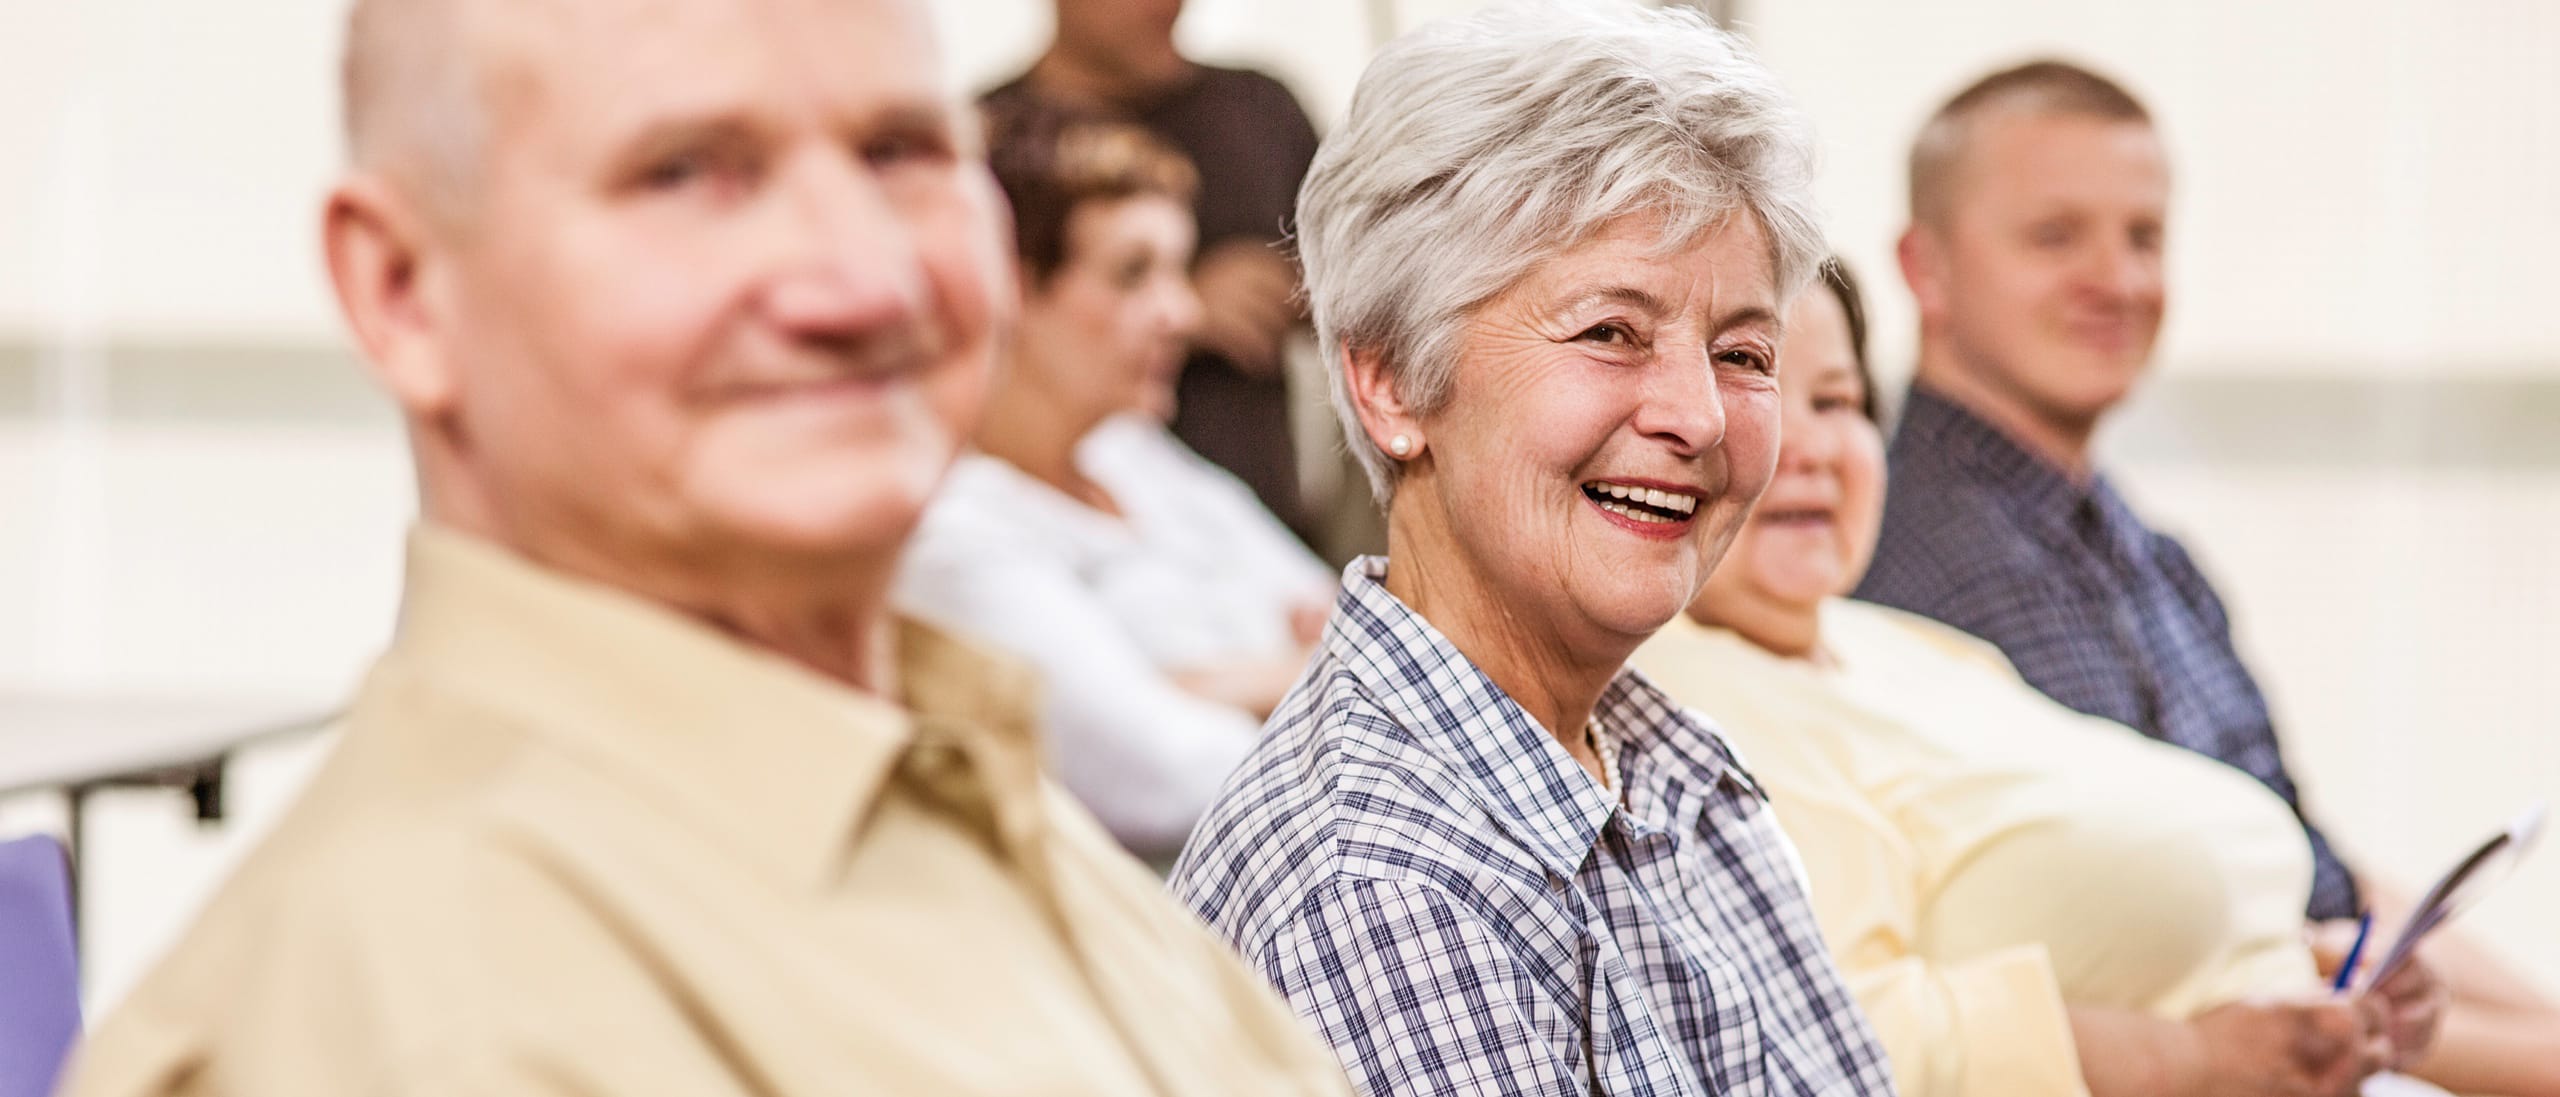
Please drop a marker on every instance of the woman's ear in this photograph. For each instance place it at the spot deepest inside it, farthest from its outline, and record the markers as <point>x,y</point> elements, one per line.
<point>1383,415</point>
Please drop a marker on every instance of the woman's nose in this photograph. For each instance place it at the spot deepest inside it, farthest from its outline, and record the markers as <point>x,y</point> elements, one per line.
<point>1805,441</point>
<point>1179,306</point>
<point>1683,403</point>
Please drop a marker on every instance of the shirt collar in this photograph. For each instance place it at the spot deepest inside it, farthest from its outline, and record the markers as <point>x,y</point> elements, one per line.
<point>1674,757</point>
<point>775,760</point>
<point>2028,486</point>
<point>1509,763</point>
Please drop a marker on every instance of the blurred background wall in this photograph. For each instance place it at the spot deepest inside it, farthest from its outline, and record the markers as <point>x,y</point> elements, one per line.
<point>2355,420</point>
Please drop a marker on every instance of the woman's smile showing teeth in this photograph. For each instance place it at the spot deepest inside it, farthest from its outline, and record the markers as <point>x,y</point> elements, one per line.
<point>1650,510</point>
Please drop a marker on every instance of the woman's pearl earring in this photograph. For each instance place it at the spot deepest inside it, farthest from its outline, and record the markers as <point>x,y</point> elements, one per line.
<point>1400,445</point>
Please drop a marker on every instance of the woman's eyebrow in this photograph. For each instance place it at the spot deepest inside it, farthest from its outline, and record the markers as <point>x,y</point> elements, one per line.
<point>1762,315</point>
<point>1640,299</point>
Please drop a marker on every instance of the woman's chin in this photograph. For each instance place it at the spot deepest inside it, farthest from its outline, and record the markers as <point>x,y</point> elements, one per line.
<point>1627,610</point>
<point>1156,402</point>
<point>1801,588</point>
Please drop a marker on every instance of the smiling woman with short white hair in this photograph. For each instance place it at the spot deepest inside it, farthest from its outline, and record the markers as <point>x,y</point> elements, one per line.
<point>1547,255</point>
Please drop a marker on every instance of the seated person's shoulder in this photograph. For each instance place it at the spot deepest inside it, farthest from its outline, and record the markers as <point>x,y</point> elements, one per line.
<point>346,955</point>
<point>1881,631</point>
<point>977,546</point>
<point>401,922</point>
<point>1337,792</point>
<point>1957,544</point>
<point>1948,517</point>
<point>979,508</point>
<point>2173,557</point>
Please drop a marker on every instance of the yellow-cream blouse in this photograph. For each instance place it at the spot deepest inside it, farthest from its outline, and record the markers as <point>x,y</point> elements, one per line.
<point>1980,855</point>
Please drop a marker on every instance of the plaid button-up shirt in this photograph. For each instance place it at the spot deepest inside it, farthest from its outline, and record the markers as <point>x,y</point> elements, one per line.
<point>2101,612</point>
<point>1460,909</point>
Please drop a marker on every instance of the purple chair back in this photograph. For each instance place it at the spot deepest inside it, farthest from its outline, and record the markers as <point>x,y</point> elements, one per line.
<point>39,966</point>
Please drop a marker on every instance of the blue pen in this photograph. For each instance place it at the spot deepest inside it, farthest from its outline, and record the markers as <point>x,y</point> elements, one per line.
<point>2347,970</point>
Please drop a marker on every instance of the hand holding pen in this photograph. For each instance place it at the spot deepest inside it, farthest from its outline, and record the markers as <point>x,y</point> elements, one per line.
<point>2412,996</point>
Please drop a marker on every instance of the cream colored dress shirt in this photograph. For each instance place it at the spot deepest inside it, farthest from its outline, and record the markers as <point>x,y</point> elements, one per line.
<point>573,842</point>
<point>1980,855</point>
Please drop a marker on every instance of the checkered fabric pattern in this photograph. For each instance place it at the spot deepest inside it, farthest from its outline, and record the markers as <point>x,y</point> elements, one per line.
<point>1460,909</point>
<point>2099,611</point>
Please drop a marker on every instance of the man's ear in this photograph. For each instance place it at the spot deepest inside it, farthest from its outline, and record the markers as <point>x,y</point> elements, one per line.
<point>1382,410</point>
<point>1922,255</point>
<point>389,280</point>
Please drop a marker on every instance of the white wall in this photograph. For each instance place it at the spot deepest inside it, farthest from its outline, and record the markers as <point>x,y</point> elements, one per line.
<point>178,150</point>
<point>2363,185</point>
<point>2405,625</point>
<point>2366,190</point>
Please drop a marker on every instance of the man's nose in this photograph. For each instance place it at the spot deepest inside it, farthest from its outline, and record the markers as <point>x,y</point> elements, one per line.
<point>2125,271</point>
<point>850,259</point>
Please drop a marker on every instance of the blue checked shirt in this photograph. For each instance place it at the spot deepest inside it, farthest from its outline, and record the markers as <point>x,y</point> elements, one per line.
<point>1460,909</point>
<point>2099,611</point>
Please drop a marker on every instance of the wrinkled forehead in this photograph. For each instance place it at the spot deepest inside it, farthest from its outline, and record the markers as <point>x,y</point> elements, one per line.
<point>578,75</point>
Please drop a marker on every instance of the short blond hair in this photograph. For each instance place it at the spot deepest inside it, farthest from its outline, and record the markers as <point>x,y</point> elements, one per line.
<point>2041,87</point>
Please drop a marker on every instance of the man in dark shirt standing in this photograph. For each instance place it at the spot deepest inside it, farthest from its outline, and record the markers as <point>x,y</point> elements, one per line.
<point>2039,209</point>
<point>1252,144</point>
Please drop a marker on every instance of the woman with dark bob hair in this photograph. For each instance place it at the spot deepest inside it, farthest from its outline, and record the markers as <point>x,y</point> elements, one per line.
<point>1165,608</point>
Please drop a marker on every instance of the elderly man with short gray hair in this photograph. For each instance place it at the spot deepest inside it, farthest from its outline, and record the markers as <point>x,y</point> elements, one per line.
<point>687,308</point>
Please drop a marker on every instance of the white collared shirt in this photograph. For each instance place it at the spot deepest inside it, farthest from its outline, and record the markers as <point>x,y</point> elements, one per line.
<point>1193,573</point>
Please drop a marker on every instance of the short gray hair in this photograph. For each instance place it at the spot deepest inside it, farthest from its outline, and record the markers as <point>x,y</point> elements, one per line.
<point>1480,146</point>
<point>411,97</point>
